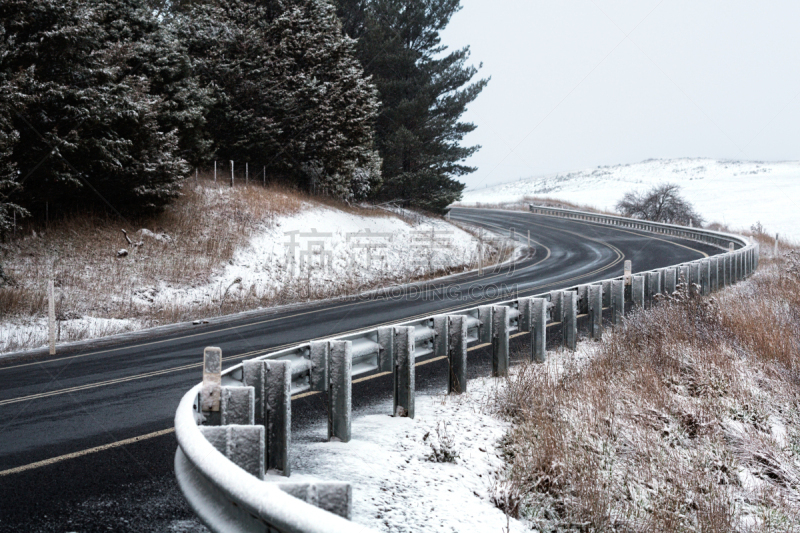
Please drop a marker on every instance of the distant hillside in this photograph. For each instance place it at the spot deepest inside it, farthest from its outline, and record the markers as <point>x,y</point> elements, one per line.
<point>735,193</point>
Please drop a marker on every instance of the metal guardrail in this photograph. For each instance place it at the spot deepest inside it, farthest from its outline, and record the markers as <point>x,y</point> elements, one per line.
<point>233,429</point>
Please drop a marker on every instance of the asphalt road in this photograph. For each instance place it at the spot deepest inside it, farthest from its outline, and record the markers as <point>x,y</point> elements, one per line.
<point>110,411</point>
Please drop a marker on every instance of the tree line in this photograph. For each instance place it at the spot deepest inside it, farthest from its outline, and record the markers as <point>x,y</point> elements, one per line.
<point>112,103</point>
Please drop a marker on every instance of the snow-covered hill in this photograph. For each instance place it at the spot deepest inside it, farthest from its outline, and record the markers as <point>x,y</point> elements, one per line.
<point>735,193</point>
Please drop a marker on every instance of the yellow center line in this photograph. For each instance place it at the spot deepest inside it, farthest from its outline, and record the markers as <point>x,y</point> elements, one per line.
<point>88,451</point>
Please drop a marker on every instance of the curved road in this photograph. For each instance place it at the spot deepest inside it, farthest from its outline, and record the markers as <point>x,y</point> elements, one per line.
<point>85,424</point>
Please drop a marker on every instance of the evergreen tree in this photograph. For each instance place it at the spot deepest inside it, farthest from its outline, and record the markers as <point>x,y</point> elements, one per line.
<point>93,129</point>
<point>290,95</point>
<point>423,96</point>
<point>8,170</point>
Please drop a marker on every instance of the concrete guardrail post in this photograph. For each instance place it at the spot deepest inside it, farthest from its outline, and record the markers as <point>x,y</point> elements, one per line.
<point>242,444</point>
<point>739,267</point>
<point>653,287</point>
<point>386,350</point>
<point>607,293</point>
<point>714,268</point>
<point>500,335</point>
<point>617,301</point>
<point>539,330</point>
<point>340,391</point>
<point>670,280</point>
<point>570,322</point>
<point>237,406</point>
<point>628,277</point>
<point>683,275</point>
<point>583,299</point>
<point>705,277</point>
<point>404,379</point>
<point>596,311</point>
<point>320,361</point>
<point>557,311</point>
<point>694,277</point>
<point>212,385</point>
<point>525,311</point>
<point>637,290</point>
<point>336,498</point>
<point>457,354</point>
<point>272,382</point>
<point>725,274</point>
<point>441,337</point>
<point>485,330</point>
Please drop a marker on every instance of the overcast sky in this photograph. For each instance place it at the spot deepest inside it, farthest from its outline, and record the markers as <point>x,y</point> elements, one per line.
<point>581,83</point>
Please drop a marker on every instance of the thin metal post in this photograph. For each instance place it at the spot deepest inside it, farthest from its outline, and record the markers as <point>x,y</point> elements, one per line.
<point>246,173</point>
<point>231,173</point>
<point>51,315</point>
<point>215,172</point>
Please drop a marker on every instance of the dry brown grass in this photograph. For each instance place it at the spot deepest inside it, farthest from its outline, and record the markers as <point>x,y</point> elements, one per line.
<point>204,228</point>
<point>661,429</point>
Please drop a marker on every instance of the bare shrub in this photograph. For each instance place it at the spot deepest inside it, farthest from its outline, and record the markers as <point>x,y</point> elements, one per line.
<point>662,203</point>
<point>443,445</point>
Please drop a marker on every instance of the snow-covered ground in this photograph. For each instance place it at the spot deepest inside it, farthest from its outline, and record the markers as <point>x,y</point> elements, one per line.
<point>330,251</point>
<point>317,253</point>
<point>396,487</point>
<point>735,193</point>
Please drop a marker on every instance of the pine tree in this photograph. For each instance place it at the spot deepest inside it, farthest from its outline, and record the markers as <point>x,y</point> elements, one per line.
<point>423,96</point>
<point>92,129</point>
<point>9,175</point>
<point>289,93</point>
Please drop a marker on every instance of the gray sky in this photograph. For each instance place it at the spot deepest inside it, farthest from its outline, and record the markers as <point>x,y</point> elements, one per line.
<point>581,83</point>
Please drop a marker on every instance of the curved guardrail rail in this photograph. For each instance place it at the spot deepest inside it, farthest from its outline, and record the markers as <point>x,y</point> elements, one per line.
<point>233,429</point>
